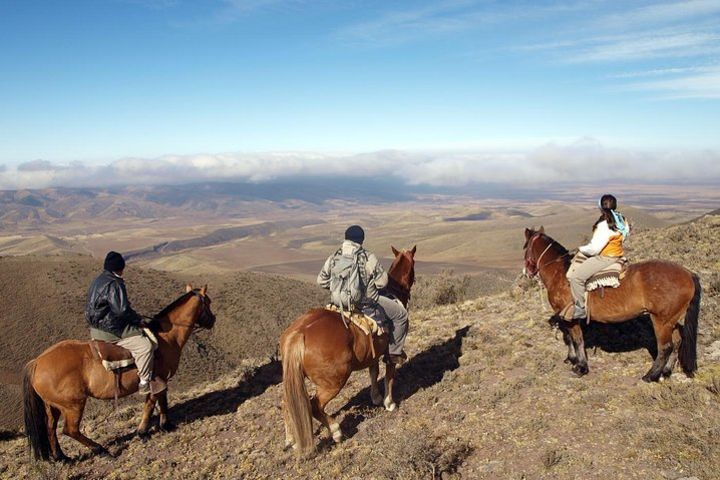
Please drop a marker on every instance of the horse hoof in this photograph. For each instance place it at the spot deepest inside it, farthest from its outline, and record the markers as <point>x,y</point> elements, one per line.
<point>103,452</point>
<point>649,378</point>
<point>167,427</point>
<point>377,400</point>
<point>143,436</point>
<point>62,458</point>
<point>390,405</point>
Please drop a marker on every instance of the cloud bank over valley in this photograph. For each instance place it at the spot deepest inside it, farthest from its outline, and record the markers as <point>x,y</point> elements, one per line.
<point>584,160</point>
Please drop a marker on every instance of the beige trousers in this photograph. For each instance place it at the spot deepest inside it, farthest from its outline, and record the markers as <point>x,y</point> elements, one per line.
<point>579,273</point>
<point>142,351</point>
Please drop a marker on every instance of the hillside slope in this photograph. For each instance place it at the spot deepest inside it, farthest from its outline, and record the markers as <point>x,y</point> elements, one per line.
<point>43,298</point>
<point>484,395</point>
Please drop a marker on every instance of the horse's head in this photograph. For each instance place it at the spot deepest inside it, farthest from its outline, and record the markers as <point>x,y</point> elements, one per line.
<point>402,269</point>
<point>204,317</point>
<point>535,242</point>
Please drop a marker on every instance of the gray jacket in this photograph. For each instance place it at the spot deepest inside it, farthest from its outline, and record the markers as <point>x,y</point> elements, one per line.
<point>373,275</point>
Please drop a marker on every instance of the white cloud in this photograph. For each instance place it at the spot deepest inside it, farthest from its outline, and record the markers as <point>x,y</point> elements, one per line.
<point>660,13</point>
<point>705,85</point>
<point>584,160</point>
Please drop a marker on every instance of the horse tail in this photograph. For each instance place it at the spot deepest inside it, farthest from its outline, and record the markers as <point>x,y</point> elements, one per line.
<point>35,416</point>
<point>688,345</point>
<point>298,413</point>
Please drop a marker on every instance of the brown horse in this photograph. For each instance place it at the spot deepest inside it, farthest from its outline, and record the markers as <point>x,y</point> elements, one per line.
<point>319,346</point>
<point>60,380</point>
<point>665,291</point>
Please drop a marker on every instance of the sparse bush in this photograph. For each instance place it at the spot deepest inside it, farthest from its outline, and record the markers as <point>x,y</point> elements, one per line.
<point>443,289</point>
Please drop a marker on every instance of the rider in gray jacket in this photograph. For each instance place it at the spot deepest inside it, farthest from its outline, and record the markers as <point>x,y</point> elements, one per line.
<point>374,304</point>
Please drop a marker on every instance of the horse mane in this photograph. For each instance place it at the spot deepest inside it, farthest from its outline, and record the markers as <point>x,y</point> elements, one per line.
<point>179,301</point>
<point>558,248</point>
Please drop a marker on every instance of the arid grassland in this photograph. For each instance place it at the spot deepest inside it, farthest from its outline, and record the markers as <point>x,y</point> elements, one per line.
<point>485,394</point>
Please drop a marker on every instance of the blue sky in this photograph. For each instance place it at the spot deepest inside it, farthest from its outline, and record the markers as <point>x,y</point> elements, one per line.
<point>101,80</point>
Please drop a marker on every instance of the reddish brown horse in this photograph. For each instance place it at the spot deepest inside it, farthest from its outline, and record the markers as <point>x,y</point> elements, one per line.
<point>61,379</point>
<point>665,291</point>
<point>319,346</point>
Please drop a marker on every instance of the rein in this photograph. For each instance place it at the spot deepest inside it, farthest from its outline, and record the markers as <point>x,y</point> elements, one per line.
<point>179,324</point>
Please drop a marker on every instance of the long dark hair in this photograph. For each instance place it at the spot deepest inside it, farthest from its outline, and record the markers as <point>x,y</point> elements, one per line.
<point>607,204</point>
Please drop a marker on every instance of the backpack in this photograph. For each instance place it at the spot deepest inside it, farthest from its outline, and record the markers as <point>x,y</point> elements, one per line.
<point>347,290</point>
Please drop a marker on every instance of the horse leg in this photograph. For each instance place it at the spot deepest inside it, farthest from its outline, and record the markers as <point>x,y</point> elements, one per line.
<point>53,415</point>
<point>576,336</point>
<point>73,416</point>
<point>389,382</point>
<point>375,394</point>
<point>572,356</point>
<point>165,424</point>
<point>318,402</point>
<point>663,335</point>
<point>144,426</point>
<point>672,359</point>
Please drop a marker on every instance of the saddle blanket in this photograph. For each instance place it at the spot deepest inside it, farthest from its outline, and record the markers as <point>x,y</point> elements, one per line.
<point>367,324</point>
<point>609,276</point>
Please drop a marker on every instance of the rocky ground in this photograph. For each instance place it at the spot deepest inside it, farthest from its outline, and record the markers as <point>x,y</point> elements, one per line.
<point>485,394</point>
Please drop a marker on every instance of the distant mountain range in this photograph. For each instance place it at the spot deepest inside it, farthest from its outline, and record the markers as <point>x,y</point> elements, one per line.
<point>53,205</point>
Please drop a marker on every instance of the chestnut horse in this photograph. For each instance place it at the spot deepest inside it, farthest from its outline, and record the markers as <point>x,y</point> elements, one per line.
<point>319,346</point>
<point>60,380</point>
<point>665,291</point>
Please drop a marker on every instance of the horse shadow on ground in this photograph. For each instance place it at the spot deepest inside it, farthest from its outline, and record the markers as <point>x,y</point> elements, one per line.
<point>420,372</point>
<point>219,402</point>
<point>636,334</point>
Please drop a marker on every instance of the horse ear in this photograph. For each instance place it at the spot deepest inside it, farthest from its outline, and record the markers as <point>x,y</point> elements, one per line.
<point>528,233</point>
<point>188,288</point>
<point>541,229</point>
<point>395,251</point>
<point>203,290</point>
<point>413,250</point>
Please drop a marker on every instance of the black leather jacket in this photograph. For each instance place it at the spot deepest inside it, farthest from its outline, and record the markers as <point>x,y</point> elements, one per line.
<point>108,308</point>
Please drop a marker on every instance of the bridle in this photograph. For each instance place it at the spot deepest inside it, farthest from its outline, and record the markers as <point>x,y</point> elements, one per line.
<point>532,267</point>
<point>204,313</point>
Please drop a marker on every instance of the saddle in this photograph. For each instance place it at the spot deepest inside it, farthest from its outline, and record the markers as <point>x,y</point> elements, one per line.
<point>117,359</point>
<point>368,325</point>
<point>609,276</point>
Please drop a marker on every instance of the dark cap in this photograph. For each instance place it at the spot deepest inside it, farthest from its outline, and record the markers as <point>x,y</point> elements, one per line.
<point>355,233</point>
<point>114,262</point>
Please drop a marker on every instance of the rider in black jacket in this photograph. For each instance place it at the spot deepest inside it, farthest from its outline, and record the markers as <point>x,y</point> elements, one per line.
<point>112,319</point>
